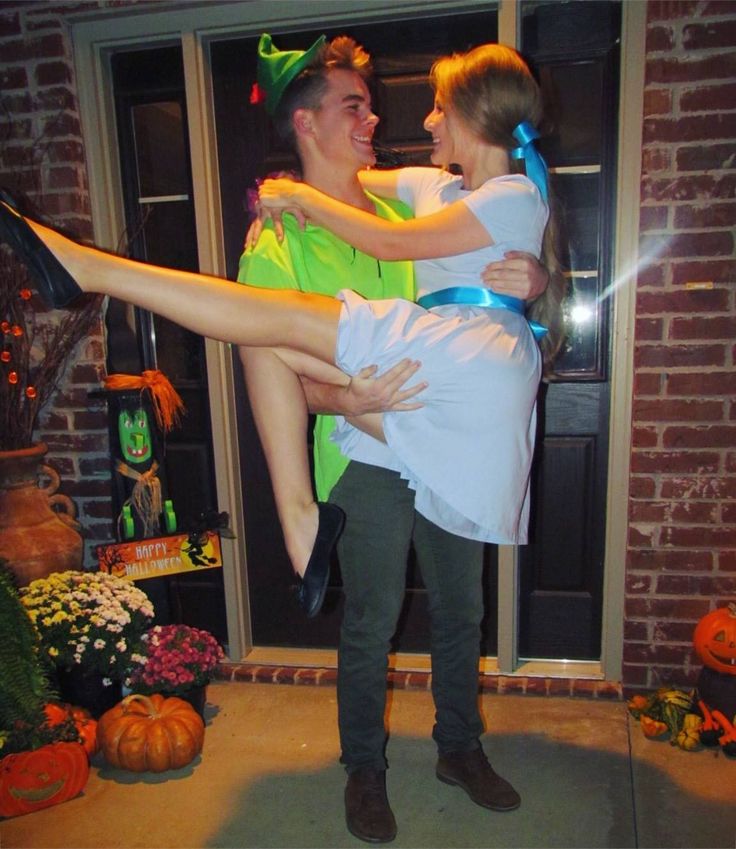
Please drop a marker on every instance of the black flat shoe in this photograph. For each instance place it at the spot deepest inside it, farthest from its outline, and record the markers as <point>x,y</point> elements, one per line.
<point>53,282</point>
<point>312,587</point>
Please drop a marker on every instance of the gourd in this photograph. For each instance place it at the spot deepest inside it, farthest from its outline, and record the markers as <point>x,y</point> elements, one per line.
<point>42,777</point>
<point>688,737</point>
<point>150,733</point>
<point>717,730</point>
<point>727,739</point>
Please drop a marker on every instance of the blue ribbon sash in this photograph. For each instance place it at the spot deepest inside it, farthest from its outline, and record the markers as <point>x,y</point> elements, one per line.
<point>478,296</point>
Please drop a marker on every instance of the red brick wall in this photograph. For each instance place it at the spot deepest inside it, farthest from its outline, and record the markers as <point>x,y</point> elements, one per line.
<point>682,534</point>
<point>39,113</point>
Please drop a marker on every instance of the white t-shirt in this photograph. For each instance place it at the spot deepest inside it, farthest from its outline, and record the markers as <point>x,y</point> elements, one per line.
<point>510,208</point>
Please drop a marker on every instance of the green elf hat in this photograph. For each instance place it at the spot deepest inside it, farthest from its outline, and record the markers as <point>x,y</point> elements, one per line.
<point>277,68</point>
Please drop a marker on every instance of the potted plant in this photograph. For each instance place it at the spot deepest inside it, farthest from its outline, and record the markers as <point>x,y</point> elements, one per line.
<point>41,763</point>
<point>90,627</point>
<point>179,661</point>
<point>38,531</point>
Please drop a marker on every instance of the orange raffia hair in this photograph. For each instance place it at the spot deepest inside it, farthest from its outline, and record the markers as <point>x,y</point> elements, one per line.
<point>167,404</point>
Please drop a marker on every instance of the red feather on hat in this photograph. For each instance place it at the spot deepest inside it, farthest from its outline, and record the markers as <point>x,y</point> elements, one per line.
<point>257,95</point>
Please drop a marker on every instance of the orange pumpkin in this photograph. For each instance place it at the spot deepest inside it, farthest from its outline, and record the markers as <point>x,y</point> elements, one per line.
<point>652,727</point>
<point>42,777</point>
<point>59,712</point>
<point>86,728</point>
<point>715,639</point>
<point>55,713</point>
<point>150,733</point>
<point>638,703</point>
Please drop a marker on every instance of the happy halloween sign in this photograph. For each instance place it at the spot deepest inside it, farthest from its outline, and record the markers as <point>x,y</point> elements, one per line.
<point>158,556</point>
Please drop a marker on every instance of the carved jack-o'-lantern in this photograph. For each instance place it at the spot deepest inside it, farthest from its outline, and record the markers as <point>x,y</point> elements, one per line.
<point>41,777</point>
<point>715,639</point>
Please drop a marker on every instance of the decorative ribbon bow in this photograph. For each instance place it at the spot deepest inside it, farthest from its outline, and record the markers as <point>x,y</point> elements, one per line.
<point>536,167</point>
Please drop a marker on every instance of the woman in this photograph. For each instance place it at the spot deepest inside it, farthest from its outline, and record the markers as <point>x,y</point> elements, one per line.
<point>475,430</point>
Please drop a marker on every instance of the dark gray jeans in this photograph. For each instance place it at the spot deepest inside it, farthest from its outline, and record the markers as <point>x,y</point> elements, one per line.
<point>381,524</point>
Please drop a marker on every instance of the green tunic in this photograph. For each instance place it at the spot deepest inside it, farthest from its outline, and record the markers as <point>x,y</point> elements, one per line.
<point>314,260</point>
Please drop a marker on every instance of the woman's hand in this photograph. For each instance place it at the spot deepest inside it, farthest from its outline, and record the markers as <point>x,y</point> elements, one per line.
<point>519,274</point>
<point>281,193</point>
<point>276,196</point>
<point>273,201</point>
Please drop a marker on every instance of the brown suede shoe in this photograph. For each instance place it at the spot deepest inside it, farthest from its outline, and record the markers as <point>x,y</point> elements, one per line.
<point>367,812</point>
<point>472,772</point>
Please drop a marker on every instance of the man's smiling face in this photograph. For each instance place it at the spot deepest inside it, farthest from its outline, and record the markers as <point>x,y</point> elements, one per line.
<point>343,125</point>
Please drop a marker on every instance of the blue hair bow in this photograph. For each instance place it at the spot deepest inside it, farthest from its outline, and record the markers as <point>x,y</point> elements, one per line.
<point>536,167</point>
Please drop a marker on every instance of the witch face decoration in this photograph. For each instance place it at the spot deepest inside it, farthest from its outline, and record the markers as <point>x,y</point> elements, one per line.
<point>135,436</point>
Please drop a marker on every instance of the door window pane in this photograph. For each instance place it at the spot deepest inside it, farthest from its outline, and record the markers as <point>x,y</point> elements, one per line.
<point>159,149</point>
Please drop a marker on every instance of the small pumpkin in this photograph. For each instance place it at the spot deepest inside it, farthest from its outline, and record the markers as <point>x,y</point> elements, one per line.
<point>715,639</point>
<point>652,727</point>
<point>86,727</point>
<point>638,704</point>
<point>55,713</point>
<point>150,733</point>
<point>42,777</point>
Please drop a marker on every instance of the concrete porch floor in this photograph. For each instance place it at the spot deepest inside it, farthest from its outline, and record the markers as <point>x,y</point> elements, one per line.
<point>269,777</point>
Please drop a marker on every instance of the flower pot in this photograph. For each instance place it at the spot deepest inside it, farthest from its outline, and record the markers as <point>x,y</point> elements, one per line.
<point>195,696</point>
<point>84,688</point>
<point>35,539</point>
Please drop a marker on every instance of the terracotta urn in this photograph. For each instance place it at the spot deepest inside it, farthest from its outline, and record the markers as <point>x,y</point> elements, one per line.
<point>35,538</point>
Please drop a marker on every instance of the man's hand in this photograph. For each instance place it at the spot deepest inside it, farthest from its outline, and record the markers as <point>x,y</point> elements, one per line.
<point>369,394</point>
<point>263,214</point>
<point>519,274</point>
<point>255,230</point>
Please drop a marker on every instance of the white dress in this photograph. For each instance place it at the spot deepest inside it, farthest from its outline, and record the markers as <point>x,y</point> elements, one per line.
<point>467,452</point>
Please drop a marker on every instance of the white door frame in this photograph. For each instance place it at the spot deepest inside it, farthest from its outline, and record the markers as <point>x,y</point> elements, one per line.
<point>194,26</point>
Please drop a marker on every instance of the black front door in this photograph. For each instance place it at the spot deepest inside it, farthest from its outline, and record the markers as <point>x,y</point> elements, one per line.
<point>246,150</point>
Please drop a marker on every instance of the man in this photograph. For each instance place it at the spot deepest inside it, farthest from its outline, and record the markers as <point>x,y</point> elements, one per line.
<point>320,102</point>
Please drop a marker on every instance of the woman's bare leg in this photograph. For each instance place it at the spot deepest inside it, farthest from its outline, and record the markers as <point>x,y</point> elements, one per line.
<point>206,305</point>
<point>280,414</point>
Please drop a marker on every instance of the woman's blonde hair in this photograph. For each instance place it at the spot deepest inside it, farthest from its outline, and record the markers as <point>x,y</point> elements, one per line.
<point>491,90</point>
